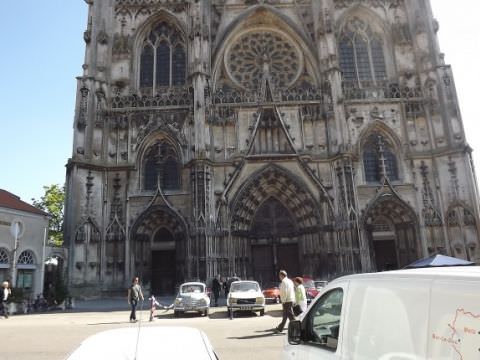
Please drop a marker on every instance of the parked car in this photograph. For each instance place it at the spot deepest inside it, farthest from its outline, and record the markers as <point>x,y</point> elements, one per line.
<point>320,284</point>
<point>430,313</point>
<point>150,342</point>
<point>310,288</point>
<point>192,297</point>
<point>272,293</point>
<point>245,296</point>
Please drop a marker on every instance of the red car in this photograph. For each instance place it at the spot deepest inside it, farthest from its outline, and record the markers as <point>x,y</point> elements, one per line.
<point>310,288</point>
<point>272,293</point>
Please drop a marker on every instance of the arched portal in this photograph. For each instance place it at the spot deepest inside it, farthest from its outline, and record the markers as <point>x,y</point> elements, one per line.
<point>163,262</point>
<point>392,229</point>
<point>159,250</point>
<point>275,222</point>
<point>274,245</point>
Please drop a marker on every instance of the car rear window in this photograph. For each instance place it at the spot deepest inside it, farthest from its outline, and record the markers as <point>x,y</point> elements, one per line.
<point>192,289</point>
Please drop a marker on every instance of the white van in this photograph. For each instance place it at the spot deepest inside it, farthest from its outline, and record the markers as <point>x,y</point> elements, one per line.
<point>397,315</point>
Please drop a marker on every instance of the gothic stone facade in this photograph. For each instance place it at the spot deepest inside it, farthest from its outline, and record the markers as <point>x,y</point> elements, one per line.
<point>241,137</point>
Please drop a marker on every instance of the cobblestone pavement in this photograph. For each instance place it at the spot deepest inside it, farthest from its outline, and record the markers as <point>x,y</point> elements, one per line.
<point>53,335</point>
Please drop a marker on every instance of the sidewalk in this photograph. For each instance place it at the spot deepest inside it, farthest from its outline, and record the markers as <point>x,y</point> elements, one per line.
<point>115,304</point>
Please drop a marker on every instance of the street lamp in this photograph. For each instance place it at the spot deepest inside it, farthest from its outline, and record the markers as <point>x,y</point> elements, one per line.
<point>16,229</point>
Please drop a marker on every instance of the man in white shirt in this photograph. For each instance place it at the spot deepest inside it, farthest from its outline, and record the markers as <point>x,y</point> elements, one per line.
<point>5,294</point>
<point>287,296</point>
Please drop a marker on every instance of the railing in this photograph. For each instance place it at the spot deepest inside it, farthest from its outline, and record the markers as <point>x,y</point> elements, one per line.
<point>175,96</point>
<point>301,94</point>
<point>382,90</point>
<point>147,2</point>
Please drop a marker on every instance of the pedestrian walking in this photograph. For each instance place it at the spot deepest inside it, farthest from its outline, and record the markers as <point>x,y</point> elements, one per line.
<point>287,297</point>
<point>134,295</point>
<point>6,291</point>
<point>153,306</point>
<point>216,287</point>
<point>300,296</point>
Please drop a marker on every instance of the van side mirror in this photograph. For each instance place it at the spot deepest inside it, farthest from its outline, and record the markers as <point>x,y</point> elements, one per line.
<point>294,332</point>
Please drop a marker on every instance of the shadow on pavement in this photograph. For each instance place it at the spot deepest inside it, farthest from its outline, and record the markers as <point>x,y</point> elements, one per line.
<point>266,333</point>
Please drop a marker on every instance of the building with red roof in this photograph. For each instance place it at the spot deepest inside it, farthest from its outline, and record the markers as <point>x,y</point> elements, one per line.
<point>23,231</point>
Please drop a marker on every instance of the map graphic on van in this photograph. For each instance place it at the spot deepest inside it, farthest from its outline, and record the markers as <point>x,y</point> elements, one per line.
<point>464,334</point>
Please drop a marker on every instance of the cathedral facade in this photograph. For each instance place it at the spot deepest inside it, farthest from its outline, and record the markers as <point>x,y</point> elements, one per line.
<point>240,137</point>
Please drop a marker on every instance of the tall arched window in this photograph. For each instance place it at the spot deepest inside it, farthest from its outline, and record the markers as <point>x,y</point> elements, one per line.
<point>362,60</point>
<point>150,174</point>
<point>161,164</point>
<point>378,156</point>
<point>163,59</point>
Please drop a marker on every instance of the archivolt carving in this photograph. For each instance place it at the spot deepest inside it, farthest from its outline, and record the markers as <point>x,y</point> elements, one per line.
<point>275,182</point>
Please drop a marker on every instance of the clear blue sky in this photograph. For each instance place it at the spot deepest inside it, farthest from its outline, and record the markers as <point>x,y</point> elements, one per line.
<point>43,51</point>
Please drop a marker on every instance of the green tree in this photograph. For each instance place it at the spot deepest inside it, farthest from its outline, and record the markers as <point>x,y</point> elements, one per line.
<point>52,202</point>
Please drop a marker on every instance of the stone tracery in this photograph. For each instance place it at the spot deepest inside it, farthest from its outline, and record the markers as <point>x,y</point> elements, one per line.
<point>260,54</point>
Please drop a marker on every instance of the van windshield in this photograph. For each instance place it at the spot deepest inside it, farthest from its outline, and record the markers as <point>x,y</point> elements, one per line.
<point>324,319</point>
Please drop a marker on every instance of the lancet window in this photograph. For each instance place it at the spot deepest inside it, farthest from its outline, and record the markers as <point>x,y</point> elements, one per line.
<point>161,166</point>
<point>379,159</point>
<point>163,58</point>
<point>362,59</point>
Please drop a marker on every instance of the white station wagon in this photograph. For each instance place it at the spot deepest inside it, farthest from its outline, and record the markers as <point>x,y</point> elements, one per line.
<point>192,297</point>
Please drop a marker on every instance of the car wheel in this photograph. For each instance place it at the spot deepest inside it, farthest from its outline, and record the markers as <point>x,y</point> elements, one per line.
<point>205,312</point>
<point>230,314</point>
<point>262,312</point>
<point>176,313</point>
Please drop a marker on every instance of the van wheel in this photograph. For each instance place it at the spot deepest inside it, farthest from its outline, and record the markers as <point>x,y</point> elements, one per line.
<point>262,312</point>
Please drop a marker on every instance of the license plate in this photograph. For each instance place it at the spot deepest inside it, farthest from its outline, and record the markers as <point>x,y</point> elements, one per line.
<point>247,307</point>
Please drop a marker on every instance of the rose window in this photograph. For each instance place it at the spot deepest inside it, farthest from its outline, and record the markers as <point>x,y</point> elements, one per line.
<point>260,54</point>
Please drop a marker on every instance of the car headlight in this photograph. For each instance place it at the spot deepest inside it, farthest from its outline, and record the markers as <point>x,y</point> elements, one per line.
<point>178,301</point>
<point>202,302</point>
<point>260,300</point>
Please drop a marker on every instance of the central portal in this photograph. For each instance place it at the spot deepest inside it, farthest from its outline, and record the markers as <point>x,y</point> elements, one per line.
<point>274,245</point>
<point>163,263</point>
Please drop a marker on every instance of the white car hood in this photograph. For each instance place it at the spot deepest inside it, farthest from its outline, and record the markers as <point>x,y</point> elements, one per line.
<point>154,342</point>
<point>245,294</point>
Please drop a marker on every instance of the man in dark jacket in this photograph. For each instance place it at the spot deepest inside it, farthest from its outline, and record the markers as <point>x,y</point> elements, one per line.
<point>216,287</point>
<point>134,294</point>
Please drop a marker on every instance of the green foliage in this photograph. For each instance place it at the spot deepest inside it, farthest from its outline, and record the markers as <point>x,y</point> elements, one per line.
<point>52,202</point>
<point>61,291</point>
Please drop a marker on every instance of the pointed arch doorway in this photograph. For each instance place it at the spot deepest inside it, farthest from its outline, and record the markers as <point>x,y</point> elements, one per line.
<point>392,229</point>
<point>159,250</point>
<point>273,244</point>
<point>163,262</point>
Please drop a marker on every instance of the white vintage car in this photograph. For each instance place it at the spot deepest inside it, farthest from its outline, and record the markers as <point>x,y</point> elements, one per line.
<point>192,297</point>
<point>145,343</point>
<point>245,295</point>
